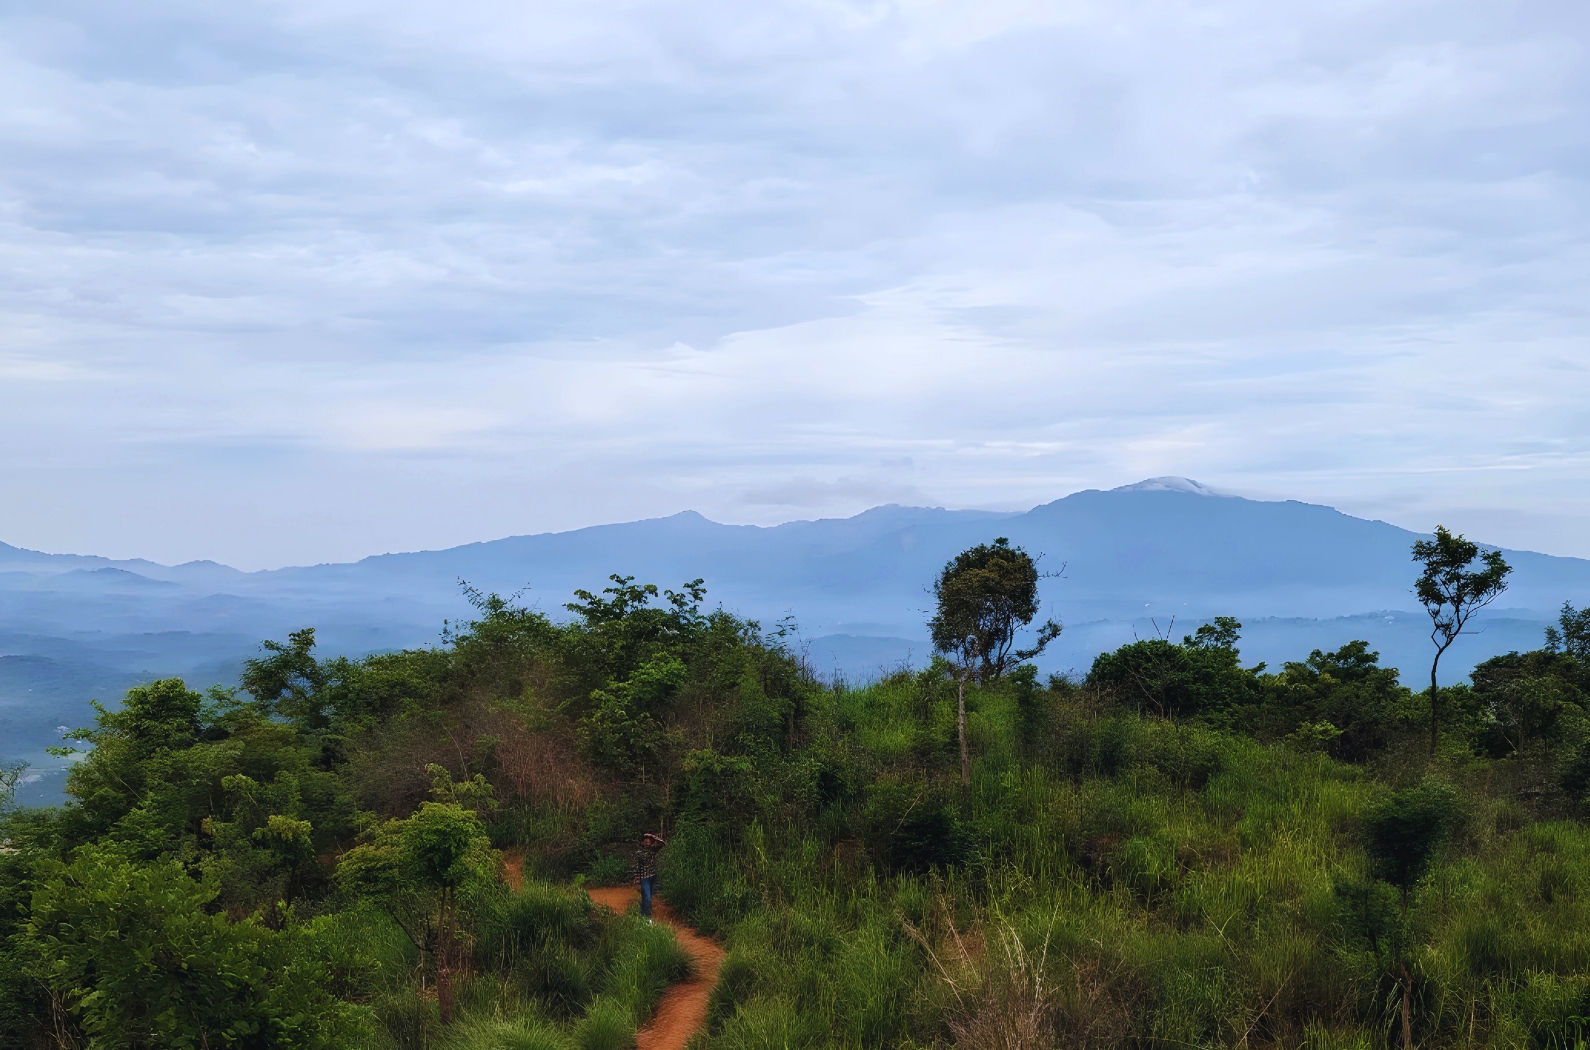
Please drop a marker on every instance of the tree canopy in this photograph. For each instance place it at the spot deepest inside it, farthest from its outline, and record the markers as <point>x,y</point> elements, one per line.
<point>1452,592</point>
<point>984,596</point>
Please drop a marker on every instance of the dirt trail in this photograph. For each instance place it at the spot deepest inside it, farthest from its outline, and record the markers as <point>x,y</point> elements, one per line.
<point>683,1008</point>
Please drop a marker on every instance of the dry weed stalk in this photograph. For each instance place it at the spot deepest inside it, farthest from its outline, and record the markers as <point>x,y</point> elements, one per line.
<point>1001,1005</point>
<point>1011,1003</point>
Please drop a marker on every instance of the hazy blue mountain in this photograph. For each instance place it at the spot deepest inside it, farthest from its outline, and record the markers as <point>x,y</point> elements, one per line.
<point>1127,562</point>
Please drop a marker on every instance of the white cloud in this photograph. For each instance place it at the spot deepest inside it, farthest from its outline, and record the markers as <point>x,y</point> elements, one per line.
<point>348,277</point>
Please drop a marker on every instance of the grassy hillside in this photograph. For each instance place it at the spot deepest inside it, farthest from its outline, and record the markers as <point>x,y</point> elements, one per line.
<point>1173,851</point>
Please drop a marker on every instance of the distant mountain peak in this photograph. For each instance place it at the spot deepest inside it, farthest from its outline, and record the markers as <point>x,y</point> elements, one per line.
<point>1169,484</point>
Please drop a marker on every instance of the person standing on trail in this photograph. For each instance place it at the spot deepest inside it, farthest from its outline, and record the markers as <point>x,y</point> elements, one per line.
<point>646,869</point>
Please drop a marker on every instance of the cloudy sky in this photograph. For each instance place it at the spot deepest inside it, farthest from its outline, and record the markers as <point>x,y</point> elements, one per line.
<point>300,281</point>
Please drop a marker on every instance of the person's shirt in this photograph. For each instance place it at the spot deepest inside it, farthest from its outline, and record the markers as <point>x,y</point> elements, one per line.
<point>646,864</point>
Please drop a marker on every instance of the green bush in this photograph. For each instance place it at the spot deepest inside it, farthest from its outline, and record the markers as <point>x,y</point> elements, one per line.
<point>137,958</point>
<point>609,869</point>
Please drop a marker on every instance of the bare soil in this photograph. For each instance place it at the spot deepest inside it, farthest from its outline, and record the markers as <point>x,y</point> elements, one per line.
<point>682,1010</point>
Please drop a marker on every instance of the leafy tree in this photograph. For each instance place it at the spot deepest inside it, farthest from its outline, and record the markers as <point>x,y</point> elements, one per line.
<point>139,960</point>
<point>1572,635</point>
<point>1524,700</point>
<point>132,751</point>
<point>1202,675</point>
<point>222,784</point>
<point>290,682</point>
<point>622,733</point>
<point>1451,593</point>
<point>985,595</point>
<point>1223,632</point>
<point>266,841</point>
<point>1536,704</point>
<point>325,700</point>
<point>1347,691</point>
<point>616,632</point>
<point>423,870</point>
<point>496,650</point>
<point>721,788</point>
<point>1152,674</point>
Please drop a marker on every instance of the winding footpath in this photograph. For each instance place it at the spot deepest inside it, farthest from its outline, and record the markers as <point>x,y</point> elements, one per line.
<point>682,1011</point>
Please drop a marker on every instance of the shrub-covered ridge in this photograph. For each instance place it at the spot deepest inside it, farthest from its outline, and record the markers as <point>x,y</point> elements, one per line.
<point>1175,850</point>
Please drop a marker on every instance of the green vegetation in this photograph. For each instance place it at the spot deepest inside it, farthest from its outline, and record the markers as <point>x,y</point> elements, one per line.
<point>1451,592</point>
<point>1176,850</point>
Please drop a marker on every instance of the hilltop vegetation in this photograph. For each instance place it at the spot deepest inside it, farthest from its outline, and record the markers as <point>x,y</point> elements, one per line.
<point>1176,850</point>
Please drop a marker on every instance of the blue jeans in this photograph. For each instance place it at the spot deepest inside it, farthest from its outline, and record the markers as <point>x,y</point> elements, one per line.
<point>647,887</point>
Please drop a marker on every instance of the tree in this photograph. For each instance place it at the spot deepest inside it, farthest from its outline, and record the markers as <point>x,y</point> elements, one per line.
<point>1222,633</point>
<point>290,681</point>
<point>621,733</point>
<point>423,870</point>
<point>985,595</point>
<point>1574,636</point>
<point>1452,593</point>
<point>10,777</point>
<point>1346,690</point>
<point>138,958</point>
<point>1201,676</point>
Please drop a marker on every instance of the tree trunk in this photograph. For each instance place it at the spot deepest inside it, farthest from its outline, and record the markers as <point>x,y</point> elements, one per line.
<point>444,985</point>
<point>1433,664</point>
<point>444,967</point>
<point>960,725</point>
<point>1407,1015</point>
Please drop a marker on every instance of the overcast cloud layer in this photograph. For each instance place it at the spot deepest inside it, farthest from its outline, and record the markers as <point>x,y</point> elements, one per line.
<point>287,282</point>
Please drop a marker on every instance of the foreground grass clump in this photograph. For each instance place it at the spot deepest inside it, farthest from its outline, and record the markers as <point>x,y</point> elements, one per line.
<point>549,970</point>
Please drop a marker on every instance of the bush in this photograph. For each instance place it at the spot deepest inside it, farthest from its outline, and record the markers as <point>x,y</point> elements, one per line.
<point>137,959</point>
<point>609,869</point>
<point>1404,832</point>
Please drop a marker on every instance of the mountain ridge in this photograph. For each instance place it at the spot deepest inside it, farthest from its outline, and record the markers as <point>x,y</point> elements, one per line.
<point>1133,561</point>
<point>1166,484</point>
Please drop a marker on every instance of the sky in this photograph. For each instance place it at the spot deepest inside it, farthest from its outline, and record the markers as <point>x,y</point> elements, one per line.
<point>293,282</point>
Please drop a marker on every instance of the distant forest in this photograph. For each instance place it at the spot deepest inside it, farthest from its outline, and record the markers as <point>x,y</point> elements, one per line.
<point>1174,850</point>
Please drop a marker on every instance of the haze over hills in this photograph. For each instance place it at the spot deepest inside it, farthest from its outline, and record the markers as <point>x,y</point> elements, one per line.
<point>1126,561</point>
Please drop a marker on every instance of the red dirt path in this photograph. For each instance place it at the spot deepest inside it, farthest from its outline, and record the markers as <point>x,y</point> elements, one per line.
<point>682,1011</point>
<point>683,1008</point>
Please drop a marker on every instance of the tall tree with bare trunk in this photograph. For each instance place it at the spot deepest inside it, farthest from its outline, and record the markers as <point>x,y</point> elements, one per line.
<point>1452,592</point>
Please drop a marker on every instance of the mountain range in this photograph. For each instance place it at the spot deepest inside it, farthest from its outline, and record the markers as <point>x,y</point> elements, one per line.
<point>1159,557</point>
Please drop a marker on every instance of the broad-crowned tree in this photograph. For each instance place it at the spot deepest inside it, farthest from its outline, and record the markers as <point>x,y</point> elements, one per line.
<point>1452,592</point>
<point>985,595</point>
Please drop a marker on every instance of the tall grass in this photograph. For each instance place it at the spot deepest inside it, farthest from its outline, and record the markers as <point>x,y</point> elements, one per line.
<point>1107,880</point>
<point>548,971</point>
<point>1142,883</point>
